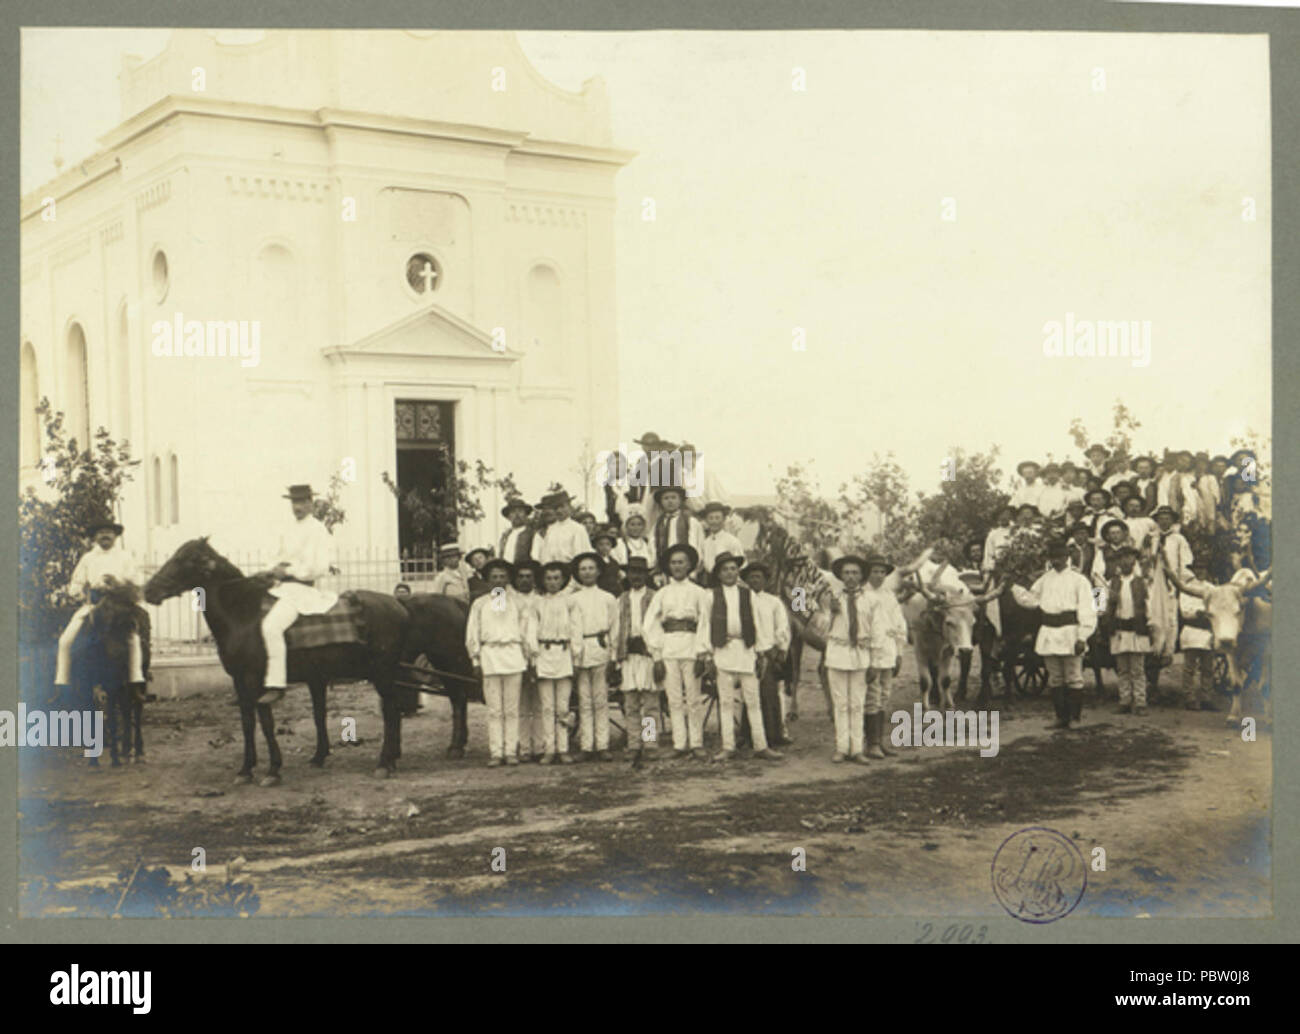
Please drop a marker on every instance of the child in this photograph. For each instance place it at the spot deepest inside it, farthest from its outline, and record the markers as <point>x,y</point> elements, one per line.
<point>1131,629</point>
<point>588,522</point>
<point>451,580</point>
<point>737,636</point>
<point>1141,530</point>
<point>887,636</point>
<point>596,613</point>
<point>848,656</point>
<point>611,573</point>
<point>558,640</point>
<point>105,566</point>
<point>633,542</point>
<point>640,697</point>
<point>473,568</point>
<point>716,540</point>
<point>1096,456</point>
<point>1196,639</point>
<point>500,637</point>
<point>532,734</point>
<point>677,636</point>
<point>1096,511</point>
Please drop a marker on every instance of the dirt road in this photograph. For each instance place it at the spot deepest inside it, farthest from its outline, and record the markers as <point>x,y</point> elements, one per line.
<point>1179,803</point>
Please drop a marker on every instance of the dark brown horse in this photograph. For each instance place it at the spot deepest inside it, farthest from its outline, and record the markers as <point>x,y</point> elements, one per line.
<point>437,633</point>
<point>100,667</point>
<point>232,607</point>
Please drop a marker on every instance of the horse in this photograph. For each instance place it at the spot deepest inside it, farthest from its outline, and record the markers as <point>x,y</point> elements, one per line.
<point>232,608</point>
<point>437,632</point>
<point>100,667</point>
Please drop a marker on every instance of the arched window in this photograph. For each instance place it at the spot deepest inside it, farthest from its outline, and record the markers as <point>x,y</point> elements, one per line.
<point>77,395</point>
<point>121,374</point>
<point>30,423</point>
<point>545,354</point>
<point>174,479</point>
<point>157,491</point>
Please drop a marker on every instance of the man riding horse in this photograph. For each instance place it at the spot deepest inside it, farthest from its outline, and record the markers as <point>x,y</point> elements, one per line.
<point>303,559</point>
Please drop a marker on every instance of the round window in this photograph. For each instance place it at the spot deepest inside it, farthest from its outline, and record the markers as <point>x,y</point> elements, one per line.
<point>161,279</point>
<point>423,274</point>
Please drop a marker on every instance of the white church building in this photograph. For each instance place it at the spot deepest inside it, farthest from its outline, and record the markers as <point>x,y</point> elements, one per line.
<point>415,228</point>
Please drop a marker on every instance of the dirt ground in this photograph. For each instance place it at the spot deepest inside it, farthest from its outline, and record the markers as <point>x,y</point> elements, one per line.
<point>1179,803</point>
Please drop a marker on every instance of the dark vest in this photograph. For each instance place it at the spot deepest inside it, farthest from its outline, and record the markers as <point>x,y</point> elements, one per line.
<point>718,618</point>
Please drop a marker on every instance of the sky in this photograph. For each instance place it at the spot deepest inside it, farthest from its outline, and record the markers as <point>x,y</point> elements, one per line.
<point>920,212</point>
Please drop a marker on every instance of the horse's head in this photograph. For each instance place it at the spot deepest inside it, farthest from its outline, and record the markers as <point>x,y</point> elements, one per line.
<point>195,563</point>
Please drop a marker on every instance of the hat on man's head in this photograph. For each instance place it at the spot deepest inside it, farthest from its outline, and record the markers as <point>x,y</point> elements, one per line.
<point>1020,467</point>
<point>1239,455</point>
<point>1097,447</point>
<point>680,547</point>
<point>652,441</point>
<point>98,524</point>
<point>582,515</point>
<point>755,567</point>
<point>496,563</point>
<point>1105,496</point>
<point>837,566</point>
<point>299,493</point>
<point>559,498</point>
<point>879,560</point>
<point>1078,526</point>
<point>1165,511</point>
<point>526,565</point>
<point>637,563</point>
<point>557,565</point>
<point>1220,458</point>
<point>714,507</point>
<point>478,549</point>
<point>516,502</point>
<point>1126,549</point>
<point>1028,506</point>
<point>1144,459</point>
<point>605,533</point>
<point>589,555</point>
<point>1057,548</point>
<point>1114,522</point>
<point>1052,468</point>
<point>448,547</point>
<point>669,488</point>
<point>727,558</point>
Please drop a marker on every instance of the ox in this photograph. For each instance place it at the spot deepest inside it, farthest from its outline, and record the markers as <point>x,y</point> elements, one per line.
<point>942,622</point>
<point>1241,620</point>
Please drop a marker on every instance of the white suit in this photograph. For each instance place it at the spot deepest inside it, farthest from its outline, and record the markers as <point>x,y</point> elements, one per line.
<point>305,548</point>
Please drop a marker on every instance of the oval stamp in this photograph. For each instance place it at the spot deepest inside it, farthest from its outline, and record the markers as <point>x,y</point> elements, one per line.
<point>1039,875</point>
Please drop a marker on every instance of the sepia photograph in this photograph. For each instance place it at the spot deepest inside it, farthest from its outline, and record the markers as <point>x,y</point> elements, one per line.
<point>528,473</point>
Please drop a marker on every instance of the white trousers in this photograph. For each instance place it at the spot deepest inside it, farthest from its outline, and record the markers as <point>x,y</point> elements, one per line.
<point>729,698</point>
<point>554,707</point>
<point>501,694</point>
<point>685,705</point>
<point>593,708</point>
<point>277,621</point>
<point>848,698</point>
<point>532,725</point>
<point>63,665</point>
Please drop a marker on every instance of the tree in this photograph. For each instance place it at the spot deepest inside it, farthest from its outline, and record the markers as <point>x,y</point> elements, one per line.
<point>326,509</point>
<point>438,514</point>
<point>880,497</point>
<point>1120,439</point>
<point>967,503</point>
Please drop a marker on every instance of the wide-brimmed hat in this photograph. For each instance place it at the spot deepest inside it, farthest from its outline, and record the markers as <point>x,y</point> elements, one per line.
<point>1114,522</point>
<point>299,493</point>
<point>751,567</point>
<point>1020,467</point>
<point>725,558</point>
<point>605,533</point>
<point>637,563</point>
<point>517,502</point>
<point>651,440</point>
<point>557,565</point>
<point>1078,526</point>
<point>449,547</point>
<point>849,558</point>
<point>1069,465</point>
<point>1057,547</point>
<point>589,555</point>
<point>658,492</point>
<point>1097,447</point>
<point>1232,461</point>
<point>1144,459</point>
<point>1220,458</point>
<point>560,498</point>
<point>1126,549</point>
<point>879,560</point>
<point>493,564</point>
<point>96,524</point>
<point>525,565</point>
<point>1160,511</point>
<point>680,547</point>
<point>1097,491</point>
<point>714,507</point>
<point>1030,507</point>
<point>1136,497</point>
<point>1128,486</point>
<point>582,515</point>
<point>1052,468</point>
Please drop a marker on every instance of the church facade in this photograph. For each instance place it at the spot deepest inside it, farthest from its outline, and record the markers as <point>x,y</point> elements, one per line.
<point>323,252</point>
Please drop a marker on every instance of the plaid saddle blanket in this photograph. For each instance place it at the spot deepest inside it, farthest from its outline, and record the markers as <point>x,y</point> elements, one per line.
<point>342,623</point>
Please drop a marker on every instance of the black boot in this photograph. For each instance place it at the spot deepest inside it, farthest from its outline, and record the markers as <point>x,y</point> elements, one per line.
<point>1076,704</point>
<point>1062,708</point>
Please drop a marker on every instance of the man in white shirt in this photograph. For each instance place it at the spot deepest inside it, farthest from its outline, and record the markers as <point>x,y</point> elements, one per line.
<point>716,540</point>
<point>848,656</point>
<point>640,698</point>
<point>517,542</point>
<point>677,629</point>
<point>501,636</point>
<point>888,635</point>
<point>1069,618</point>
<point>1032,489</point>
<point>1052,498</point>
<point>1070,483</point>
<point>1096,457</point>
<point>596,611</point>
<point>1131,628</point>
<point>1120,471</point>
<point>771,669</point>
<point>105,566</point>
<point>676,525</point>
<point>562,538</point>
<point>1196,639</point>
<point>738,635</point>
<point>304,558</point>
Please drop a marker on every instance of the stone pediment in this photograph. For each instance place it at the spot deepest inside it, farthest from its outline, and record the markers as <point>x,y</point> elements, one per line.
<point>429,333</point>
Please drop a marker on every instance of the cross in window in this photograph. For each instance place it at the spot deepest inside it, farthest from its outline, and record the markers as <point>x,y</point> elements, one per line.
<point>429,275</point>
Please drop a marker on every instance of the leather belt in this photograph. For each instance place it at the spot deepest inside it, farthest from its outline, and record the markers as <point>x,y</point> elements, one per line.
<point>679,624</point>
<point>1061,619</point>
